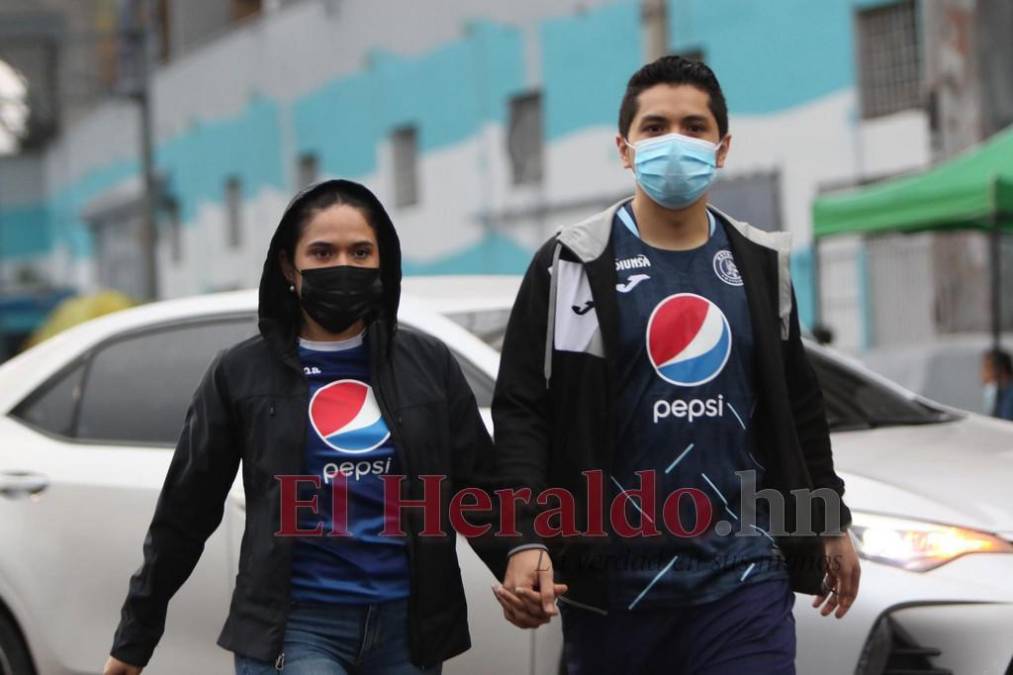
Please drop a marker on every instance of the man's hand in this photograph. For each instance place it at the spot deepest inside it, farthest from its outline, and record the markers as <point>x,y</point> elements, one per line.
<point>528,592</point>
<point>116,667</point>
<point>843,572</point>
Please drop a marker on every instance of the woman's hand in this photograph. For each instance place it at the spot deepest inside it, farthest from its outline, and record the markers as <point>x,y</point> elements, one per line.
<point>843,572</point>
<point>116,667</point>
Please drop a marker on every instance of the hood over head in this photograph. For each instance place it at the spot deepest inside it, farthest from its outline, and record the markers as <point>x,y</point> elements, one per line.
<point>278,311</point>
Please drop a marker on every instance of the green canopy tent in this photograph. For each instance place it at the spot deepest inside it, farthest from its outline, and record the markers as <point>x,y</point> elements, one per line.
<point>971,191</point>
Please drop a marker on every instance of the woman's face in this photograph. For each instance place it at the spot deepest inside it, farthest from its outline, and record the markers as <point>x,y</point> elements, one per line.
<point>337,235</point>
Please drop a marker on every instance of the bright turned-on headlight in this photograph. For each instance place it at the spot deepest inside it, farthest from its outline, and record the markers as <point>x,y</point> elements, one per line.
<point>917,545</point>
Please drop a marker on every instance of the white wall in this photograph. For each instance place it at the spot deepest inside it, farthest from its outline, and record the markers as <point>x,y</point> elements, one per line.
<point>302,46</point>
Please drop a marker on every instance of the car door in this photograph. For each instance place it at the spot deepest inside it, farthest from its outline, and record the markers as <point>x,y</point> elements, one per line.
<point>474,337</point>
<point>497,646</point>
<point>91,452</point>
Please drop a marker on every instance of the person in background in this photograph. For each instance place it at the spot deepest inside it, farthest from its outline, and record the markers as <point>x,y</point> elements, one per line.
<point>997,394</point>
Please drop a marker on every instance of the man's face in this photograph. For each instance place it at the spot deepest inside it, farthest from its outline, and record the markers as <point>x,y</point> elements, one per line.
<point>673,108</point>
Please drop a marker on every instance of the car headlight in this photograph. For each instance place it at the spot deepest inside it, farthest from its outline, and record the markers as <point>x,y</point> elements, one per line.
<point>918,545</point>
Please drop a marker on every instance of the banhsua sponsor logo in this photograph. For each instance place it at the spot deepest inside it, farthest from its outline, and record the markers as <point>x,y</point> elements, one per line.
<point>639,262</point>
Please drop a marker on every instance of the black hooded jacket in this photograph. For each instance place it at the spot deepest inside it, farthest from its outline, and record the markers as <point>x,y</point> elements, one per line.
<point>249,411</point>
<point>554,405</point>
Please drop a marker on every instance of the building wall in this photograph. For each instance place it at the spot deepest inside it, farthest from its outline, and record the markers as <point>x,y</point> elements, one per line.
<point>309,78</point>
<point>24,246</point>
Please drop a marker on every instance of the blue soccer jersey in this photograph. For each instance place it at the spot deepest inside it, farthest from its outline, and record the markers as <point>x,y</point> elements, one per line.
<point>346,436</point>
<point>685,403</point>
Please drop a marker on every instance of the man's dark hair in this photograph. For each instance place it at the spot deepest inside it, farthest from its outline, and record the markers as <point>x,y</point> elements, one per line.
<point>1000,360</point>
<point>673,70</point>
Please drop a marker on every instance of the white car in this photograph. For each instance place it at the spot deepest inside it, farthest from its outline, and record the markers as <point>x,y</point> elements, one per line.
<point>90,418</point>
<point>946,369</point>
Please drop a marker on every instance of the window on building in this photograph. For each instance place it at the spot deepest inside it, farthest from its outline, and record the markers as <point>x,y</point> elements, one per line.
<point>308,169</point>
<point>889,58</point>
<point>174,230</point>
<point>754,198</point>
<point>241,9</point>
<point>404,145</point>
<point>163,27</point>
<point>234,210</point>
<point>524,139</point>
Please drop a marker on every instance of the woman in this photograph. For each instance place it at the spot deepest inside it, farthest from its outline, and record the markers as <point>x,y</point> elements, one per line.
<point>330,390</point>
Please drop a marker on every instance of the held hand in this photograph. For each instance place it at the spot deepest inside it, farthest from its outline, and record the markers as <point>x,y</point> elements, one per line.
<point>116,667</point>
<point>528,592</point>
<point>843,572</point>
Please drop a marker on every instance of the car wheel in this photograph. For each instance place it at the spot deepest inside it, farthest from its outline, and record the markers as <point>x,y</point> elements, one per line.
<point>14,657</point>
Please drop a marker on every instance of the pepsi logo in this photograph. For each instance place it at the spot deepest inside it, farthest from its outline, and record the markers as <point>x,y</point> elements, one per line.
<point>345,415</point>
<point>688,339</point>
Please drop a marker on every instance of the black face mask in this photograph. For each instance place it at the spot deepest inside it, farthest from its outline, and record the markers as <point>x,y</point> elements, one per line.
<point>338,296</point>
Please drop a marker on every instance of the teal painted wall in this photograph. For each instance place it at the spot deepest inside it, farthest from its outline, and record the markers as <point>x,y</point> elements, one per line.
<point>448,94</point>
<point>802,277</point>
<point>586,61</point>
<point>24,231</point>
<point>451,91</point>
<point>248,146</point>
<point>493,254</point>
<point>196,164</point>
<point>65,222</point>
<point>769,56</point>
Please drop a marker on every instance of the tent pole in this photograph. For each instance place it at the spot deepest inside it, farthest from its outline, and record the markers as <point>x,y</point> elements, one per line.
<point>996,281</point>
<point>817,283</point>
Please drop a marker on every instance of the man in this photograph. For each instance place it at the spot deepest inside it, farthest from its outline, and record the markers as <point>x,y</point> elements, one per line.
<point>658,342</point>
<point>997,394</point>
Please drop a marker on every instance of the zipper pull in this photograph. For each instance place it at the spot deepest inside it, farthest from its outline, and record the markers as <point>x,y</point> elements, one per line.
<point>271,409</point>
<point>279,662</point>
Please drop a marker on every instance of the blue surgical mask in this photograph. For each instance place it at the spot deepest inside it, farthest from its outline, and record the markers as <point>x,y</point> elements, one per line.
<point>674,170</point>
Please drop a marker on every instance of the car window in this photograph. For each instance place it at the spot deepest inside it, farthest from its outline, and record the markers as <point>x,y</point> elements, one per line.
<point>481,384</point>
<point>51,407</point>
<point>489,325</point>
<point>137,388</point>
<point>855,401</point>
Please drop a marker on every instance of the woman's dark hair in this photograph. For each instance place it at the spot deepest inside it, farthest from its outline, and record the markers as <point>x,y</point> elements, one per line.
<point>279,309</point>
<point>673,70</point>
<point>1000,361</point>
<point>304,211</point>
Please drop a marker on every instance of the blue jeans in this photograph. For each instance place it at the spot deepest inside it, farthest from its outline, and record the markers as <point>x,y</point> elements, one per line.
<point>751,630</point>
<point>330,639</point>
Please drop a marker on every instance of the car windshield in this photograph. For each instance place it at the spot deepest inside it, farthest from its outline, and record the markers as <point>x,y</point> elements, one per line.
<point>856,401</point>
<point>488,324</point>
<point>853,399</point>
